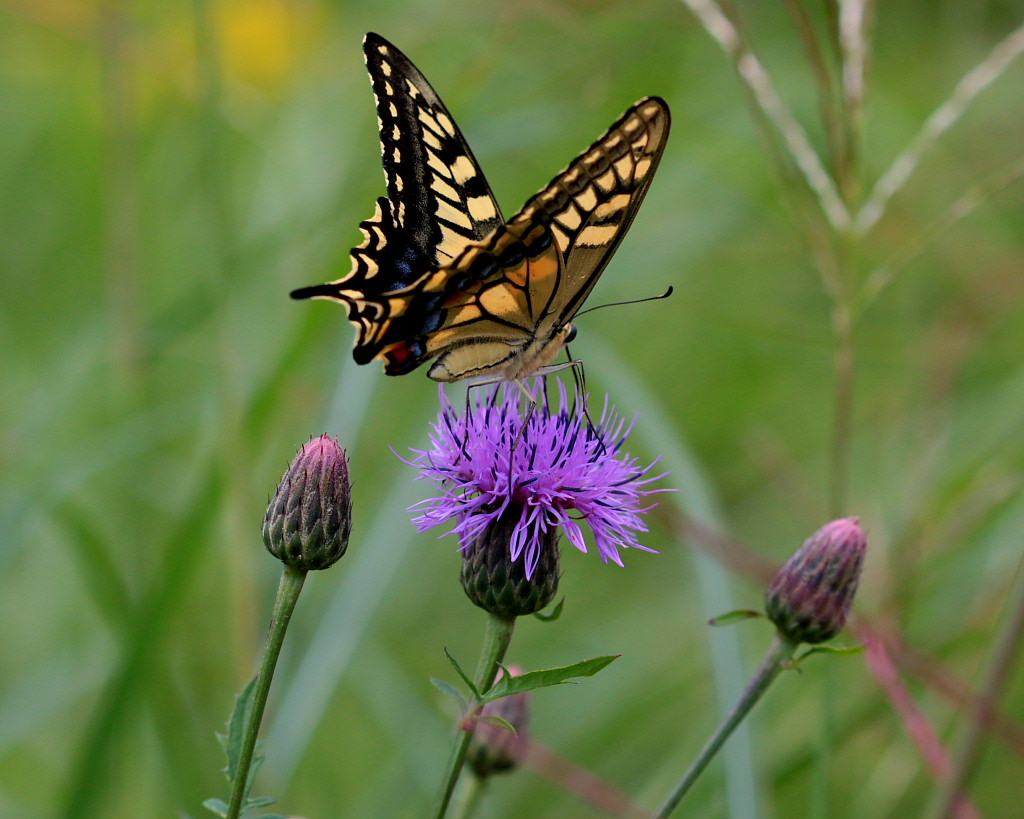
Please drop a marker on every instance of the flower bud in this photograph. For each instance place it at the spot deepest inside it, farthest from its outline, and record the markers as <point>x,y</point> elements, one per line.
<point>497,583</point>
<point>310,516</point>
<point>811,595</point>
<point>494,748</point>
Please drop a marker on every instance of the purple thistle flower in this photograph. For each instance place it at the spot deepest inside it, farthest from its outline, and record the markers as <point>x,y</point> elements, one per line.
<point>547,469</point>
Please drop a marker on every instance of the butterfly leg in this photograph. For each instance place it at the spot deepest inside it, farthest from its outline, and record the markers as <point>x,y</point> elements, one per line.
<point>579,377</point>
<point>486,382</point>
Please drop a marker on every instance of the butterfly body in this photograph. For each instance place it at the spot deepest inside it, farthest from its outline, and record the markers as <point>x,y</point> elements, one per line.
<point>441,275</point>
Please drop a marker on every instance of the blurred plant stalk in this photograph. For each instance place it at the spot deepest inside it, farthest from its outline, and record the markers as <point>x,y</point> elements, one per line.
<point>808,601</point>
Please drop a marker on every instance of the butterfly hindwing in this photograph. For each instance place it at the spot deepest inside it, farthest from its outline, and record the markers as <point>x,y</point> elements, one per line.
<point>482,311</point>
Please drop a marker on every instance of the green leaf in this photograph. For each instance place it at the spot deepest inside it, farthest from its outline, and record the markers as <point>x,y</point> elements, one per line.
<point>825,649</point>
<point>231,742</point>
<point>492,719</point>
<point>542,679</point>
<point>461,673</point>
<point>450,689</point>
<point>734,616</point>
<point>218,806</point>
<point>555,613</point>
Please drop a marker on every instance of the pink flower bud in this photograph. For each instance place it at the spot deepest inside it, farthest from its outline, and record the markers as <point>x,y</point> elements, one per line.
<point>310,516</point>
<point>811,595</point>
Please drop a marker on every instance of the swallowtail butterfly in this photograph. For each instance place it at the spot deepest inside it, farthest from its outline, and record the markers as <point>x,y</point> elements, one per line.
<point>441,275</point>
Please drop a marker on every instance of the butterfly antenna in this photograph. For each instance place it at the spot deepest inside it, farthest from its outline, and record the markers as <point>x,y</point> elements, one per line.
<point>664,295</point>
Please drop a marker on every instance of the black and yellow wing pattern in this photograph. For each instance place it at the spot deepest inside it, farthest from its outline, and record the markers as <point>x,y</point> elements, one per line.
<point>440,275</point>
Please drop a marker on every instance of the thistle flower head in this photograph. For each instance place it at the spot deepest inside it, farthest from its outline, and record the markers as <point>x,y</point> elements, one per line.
<point>533,473</point>
<point>309,519</point>
<point>811,595</point>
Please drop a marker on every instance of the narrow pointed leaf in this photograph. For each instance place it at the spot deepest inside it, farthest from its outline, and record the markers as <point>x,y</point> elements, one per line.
<point>735,616</point>
<point>451,690</point>
<point>555,613</point>
<point>825,649</point>
<point>461,673</point>
<point>218,806</point>
<point>492,719</point>
<point>231,742</point>
<point>533,680</point>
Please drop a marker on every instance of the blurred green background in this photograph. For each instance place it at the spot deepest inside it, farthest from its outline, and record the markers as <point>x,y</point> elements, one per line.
<point>168,172</point>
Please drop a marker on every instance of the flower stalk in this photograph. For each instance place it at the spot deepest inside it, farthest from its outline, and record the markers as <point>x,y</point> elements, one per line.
<point>808,602</point>
<point>496,642</point>
<point>307,528</point>
<point>287,595</point>
<point>777,658</point>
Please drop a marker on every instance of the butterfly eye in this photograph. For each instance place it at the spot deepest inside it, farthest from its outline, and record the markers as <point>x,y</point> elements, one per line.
<point>571,336</point>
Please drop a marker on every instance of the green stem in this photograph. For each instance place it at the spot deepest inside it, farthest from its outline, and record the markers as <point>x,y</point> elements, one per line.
<point>496,641</point>
<point>467,796</point>
<point>775,660</point>
<point>287,595</point>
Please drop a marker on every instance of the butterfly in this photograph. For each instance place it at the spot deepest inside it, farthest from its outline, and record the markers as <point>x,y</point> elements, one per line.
<point>442,276</point>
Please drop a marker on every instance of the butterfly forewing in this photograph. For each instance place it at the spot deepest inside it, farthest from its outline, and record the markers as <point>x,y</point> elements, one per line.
<point>438,200</point>
<point>591,204</point>
<point>441,197</point>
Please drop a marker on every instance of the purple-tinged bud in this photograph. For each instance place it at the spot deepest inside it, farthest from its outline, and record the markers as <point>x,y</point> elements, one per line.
<point>309,519</point>
<point>811,595</point>
<point>494,748</point>
<point>497,583</point>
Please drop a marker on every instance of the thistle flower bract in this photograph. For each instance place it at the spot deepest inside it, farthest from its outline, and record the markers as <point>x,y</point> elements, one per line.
<point>531,474</point>
<point>811,595</point>
<point>309,519</point>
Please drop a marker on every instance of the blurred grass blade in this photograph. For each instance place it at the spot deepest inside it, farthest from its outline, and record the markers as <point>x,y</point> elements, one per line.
<point>92,773</point>
<point>696,499</point>
<point>754,74</point>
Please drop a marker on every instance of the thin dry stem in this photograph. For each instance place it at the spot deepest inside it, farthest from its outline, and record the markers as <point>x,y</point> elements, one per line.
<point>827,103</point>
<point>883,276</point>
<point>917,726</point>
<point>852,17</point>
<point>753,73</point>
<point>853,43</point>
<point>842,416</point>
<point>980,721</point>
<point>943,118</point>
